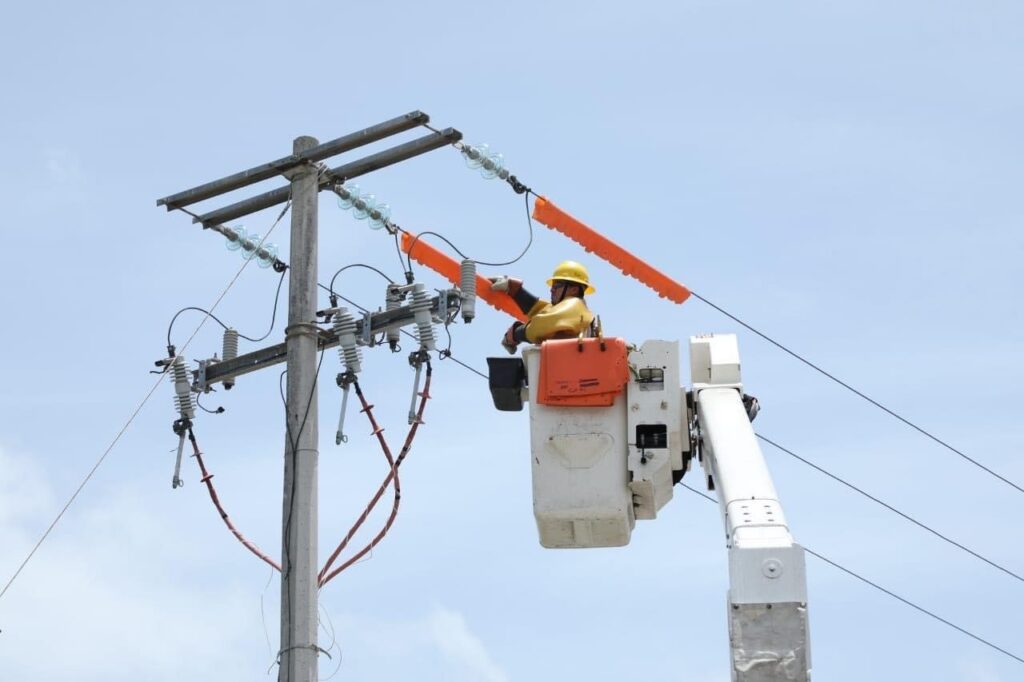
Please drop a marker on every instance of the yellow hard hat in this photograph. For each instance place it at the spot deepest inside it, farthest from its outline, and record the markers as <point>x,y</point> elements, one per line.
<point>571,271</point>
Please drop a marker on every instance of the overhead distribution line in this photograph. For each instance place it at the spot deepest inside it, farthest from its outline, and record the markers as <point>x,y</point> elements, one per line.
<point>131,418</point>
<point>448,267</point>
<point>888,592</point>
<point>862,395</point>
<point>893,509</point>
<point>861,578</point>
<point>555,218</point>
<point>849,572</point>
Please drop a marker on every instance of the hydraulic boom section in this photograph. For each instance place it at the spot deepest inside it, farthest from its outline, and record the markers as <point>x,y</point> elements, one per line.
<point>767,599</point>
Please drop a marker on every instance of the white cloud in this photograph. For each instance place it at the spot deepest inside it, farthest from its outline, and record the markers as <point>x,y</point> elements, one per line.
<point>438,645</point>
<point>451,634</point>
<point>105,597</point>
<point>24,494</point>
<point>63,167</point>
<point>977,670</point>
<point>121,592</point>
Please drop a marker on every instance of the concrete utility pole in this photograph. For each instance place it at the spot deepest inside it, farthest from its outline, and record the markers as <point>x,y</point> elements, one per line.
<point>299,651</point>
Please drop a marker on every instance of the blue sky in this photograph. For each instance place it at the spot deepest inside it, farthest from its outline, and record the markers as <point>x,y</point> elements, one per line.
<point>844,176</point>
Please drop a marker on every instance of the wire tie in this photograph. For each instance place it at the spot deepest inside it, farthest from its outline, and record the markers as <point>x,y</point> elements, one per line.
<point>367,408</point>
<point>377,431</point>
<point>206,478</point>
<point>313,647</point>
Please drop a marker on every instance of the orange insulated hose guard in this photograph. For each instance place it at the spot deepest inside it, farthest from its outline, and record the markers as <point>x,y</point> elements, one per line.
<point>446,266</point>
<point>546,212</point>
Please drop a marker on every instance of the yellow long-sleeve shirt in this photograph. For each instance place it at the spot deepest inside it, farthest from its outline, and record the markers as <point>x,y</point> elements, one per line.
<point>565,319</point>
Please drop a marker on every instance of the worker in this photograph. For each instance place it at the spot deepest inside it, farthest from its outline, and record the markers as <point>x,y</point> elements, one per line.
<point>565,317</point>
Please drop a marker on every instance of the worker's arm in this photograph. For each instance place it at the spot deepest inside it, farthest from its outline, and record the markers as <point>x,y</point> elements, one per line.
<point>527,302</point>
<point>533,307</point>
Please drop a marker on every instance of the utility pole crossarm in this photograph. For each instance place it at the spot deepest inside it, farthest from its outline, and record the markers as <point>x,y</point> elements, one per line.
<point>211,372</point>
<point>318,153</point>
<point>307,173</point>
<point>353,169</point>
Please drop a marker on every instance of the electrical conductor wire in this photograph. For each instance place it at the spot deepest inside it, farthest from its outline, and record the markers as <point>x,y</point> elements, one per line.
<point>529,243</point>
<point>853,390</point>
<point>892,509</point>
<point>132,417</point>
<point>848,571</point>
<point>330,287</point>
<point>273,316</point>
<point>887,591</point>
<point>293,442</point>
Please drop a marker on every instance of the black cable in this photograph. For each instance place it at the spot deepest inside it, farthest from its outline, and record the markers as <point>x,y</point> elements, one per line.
<point>407,269</point>
<point>891,508</point>
<point>858,393</point>
<point>520,189</point>
<point>330,287</point>
<point>201,310</point>
<point>840,567</point>
<point>913,605</point>
<point>471,369</point>
<point>219,410</point>
<point>273,317</point>
<point>529,243</point>
<point>886,591</point>
<point>294,443</point>
<point>439,236</point>
<point>447,352</point>
<point>273,314</point>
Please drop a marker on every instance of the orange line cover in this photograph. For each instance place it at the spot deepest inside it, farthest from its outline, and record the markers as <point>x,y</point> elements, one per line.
<point>596,243</point>
<point>446,266</point>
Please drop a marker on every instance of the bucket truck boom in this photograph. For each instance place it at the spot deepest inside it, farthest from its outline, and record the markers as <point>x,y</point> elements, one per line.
<point>607,446</point>
<point>767,599</point>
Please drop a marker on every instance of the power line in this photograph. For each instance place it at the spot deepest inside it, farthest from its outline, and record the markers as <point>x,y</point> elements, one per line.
<point>527,191</point>
<point>529,243</point>
<point>857,576</point>
<point>838,479</point>
<point>131,418</point>
<point>892,509</point>
<point>273,316</point>
<point>330,287</point>
<point>887,591</point>
<point>860,394</point>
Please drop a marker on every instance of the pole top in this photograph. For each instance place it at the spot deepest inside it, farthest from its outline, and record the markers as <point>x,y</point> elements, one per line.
<point>304,142</point>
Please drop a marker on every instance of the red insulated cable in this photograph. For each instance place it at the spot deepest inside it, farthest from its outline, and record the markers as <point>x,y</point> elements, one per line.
<point>208,480</point>
<point>326,577</point>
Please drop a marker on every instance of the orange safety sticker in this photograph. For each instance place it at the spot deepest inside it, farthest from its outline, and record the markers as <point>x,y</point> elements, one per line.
<point>596,243</point>
<point>446,266</point>
<point>579,373</point>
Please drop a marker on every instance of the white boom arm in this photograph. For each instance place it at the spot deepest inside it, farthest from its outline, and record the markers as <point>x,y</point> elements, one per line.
<point>767,598</point>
